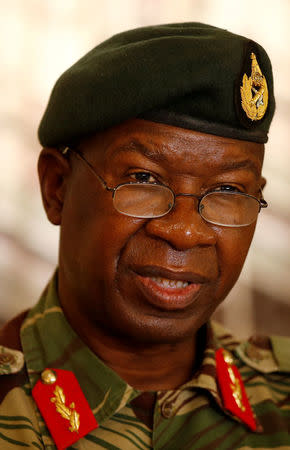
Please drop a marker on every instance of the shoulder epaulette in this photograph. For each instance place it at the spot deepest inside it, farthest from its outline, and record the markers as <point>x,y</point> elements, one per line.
<point>266,354</point>
<point>11,361</point>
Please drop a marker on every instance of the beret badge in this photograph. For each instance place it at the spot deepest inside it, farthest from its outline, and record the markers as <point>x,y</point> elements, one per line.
<point>254,92</point>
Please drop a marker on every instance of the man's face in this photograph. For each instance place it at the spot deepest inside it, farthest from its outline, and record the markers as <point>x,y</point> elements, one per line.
<point>153,280</point>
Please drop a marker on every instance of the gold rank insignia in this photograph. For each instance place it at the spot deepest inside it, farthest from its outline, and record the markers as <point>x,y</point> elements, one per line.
<point>254,92</point>
<point>67,412</point>
<point>232,389</point>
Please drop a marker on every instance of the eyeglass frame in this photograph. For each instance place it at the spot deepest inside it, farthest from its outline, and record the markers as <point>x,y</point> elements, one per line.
<point>262,202</point>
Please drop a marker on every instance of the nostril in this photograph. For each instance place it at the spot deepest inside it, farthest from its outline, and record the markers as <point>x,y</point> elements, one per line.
<point>182,231</point>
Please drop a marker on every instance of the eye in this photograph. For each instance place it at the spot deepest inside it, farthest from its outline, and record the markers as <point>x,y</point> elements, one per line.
<point>227,188</point>
<point>143,177</point>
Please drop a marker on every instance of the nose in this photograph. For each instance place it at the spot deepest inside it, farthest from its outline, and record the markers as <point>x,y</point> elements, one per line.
<point>183,228</point>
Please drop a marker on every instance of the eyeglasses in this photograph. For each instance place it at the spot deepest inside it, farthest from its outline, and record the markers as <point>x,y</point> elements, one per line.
<point>147,200</point>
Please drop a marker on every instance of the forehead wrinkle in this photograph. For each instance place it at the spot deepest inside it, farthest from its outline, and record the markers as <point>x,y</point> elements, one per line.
<point>157,152</point>
<point>135,146</point>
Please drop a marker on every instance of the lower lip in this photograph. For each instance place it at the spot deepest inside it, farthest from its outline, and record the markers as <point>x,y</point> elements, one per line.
<point>167,298</point>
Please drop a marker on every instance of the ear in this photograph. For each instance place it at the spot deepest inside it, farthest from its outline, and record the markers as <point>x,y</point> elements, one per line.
<point>263,182</point>
<point>53,171</point>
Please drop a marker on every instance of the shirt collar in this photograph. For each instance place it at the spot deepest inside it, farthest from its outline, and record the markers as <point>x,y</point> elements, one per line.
<point>49,341</point>
<point>205,376</point>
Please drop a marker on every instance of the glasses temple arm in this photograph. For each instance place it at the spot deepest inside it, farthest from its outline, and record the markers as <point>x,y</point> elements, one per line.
<point>91,168</point>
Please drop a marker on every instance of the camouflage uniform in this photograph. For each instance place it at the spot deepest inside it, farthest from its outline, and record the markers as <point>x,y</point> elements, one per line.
<point>190,417</point>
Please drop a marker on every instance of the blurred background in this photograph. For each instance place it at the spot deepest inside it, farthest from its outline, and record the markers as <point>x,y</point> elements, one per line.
<point>39,40</point>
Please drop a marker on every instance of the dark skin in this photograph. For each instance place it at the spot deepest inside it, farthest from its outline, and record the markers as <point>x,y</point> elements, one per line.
<point>106,257</point>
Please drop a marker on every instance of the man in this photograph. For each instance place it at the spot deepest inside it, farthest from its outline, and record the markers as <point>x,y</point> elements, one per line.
<point>153,146</point>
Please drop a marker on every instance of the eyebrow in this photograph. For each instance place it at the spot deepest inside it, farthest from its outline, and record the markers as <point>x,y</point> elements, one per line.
<point>135,146</point>
<point>239,165</point>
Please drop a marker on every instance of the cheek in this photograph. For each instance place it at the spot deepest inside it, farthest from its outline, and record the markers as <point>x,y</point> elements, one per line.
<point>93,234</point>
<point>233,245</point>
<point>110,235</point>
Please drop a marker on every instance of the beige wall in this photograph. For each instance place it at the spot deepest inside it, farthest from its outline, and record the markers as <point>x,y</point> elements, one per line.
<point>39,40</point>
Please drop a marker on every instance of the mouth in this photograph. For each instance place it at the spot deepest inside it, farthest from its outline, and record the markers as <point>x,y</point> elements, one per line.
<point>169,290</point>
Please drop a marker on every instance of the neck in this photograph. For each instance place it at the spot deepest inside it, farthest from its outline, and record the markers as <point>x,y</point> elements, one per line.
<point>146,367</point>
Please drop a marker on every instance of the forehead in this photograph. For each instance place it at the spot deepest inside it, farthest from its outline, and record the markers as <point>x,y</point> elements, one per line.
<point>173,146</point>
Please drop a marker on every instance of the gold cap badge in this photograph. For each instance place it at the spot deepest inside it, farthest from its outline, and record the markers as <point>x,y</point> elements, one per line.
<point>254,92</point>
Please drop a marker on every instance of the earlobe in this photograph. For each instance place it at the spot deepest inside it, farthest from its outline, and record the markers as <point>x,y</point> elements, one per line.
<point>53,170</point>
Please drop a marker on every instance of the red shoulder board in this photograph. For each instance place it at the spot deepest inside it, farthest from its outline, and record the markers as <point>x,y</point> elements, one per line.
<point>63,407</point>
<point>232,389</point>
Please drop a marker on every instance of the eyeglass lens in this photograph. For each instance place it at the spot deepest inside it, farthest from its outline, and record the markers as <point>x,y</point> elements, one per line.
<point>153,200</point>
<point>143,200</point>
<point>229,208</point>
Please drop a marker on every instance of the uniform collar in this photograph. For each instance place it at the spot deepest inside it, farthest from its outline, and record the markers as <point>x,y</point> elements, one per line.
<point>49,341</point>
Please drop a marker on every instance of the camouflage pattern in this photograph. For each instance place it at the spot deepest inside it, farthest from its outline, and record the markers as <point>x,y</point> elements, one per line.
<point>11,361</point>
<point>190,417</point>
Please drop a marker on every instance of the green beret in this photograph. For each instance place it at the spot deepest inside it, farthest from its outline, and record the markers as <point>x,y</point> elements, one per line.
<point>191,75</point>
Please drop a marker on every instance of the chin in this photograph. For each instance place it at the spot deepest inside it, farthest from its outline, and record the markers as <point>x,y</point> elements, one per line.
<point>158,330</point>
